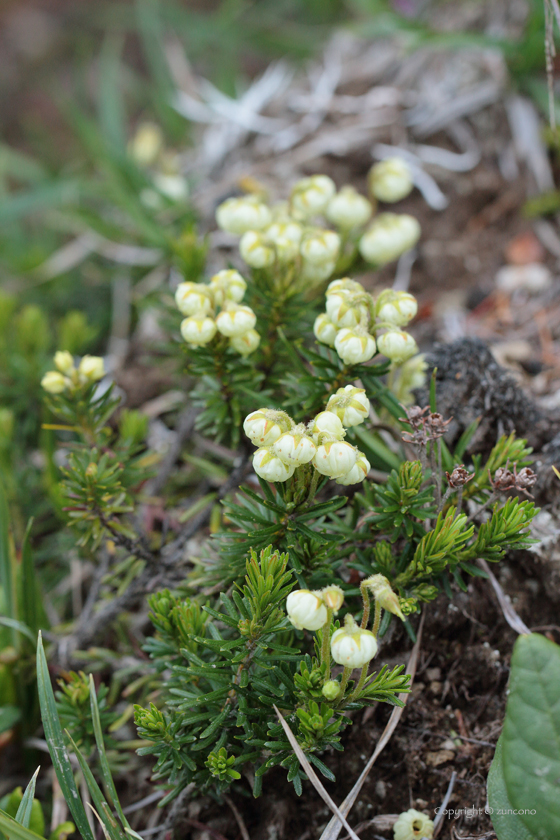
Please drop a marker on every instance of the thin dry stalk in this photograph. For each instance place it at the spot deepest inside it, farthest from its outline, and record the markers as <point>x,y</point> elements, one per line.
<point>514,621</point>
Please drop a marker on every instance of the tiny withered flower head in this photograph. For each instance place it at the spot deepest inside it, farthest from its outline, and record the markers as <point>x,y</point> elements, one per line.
<point>355,345</point>
<point>64,361</point>
<point>415,416</point>
<point>435,425</point>
<point>348,209</point>
<point>333,597</point>
<point>390,180</point>
<point>525,478</point>
<point>383,593</point>
<point>413,825</point>
<point>350,405</point>
<point>503,479</point>
<point>459,477</point>
<point>352,646</point>
<point>53,382</point>
<point>306,609</point>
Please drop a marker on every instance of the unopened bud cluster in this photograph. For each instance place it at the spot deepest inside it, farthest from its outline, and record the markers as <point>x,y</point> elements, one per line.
<point>68,377</point>
<point>297,231</point>
<point>358,326</point>
<point>147,150</point>
<point>216,308</point>
<point>284,446</point>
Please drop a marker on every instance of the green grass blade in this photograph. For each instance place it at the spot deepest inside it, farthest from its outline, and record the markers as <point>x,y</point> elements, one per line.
<point>6,575</point>
<point>14,830</point>
<point>29,590</point>
<point>18,627</point>
<point>111,110</point>
<point>109,823</point>
<point>23,815</point>
<point>57,747</point>
<point>106,774</point>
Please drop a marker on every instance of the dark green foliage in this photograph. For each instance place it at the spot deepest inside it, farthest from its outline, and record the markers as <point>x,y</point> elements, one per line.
<point>73,703</point>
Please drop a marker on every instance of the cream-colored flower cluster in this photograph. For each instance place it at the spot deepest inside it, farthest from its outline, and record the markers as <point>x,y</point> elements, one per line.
<point>200,303</point>
<point>67,377</point>
<point>358,326</point>
<point>297,231</point>
<point>147,149</point>
<point>283,446</point>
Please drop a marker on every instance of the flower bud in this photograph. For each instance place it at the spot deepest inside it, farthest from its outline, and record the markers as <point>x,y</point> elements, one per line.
<point>324,329</point>
<point>413,825</point>
<point>285,237</point>
<point>146,144</point>
<point>354,346</point>
<point>306,610</point>
<point>314,273</point>
<point>53,382</point>
<point>227,285</point>
<point>246,343</point>
<point>358,473</point>
<point>346,284</point>
<point>270,467</point>
<point>199,329</point>
<point>343,308</point>
<point>335,458</point>
<point>331,690</point>
<point>348,209</point>
<point>236,320</point>
<point>390,180</point>
<point>256,250</point>
<point>238,215</point>
<point>396,308</point>
<point>333,597</point>
<point>64,361</point>
<point>193,299</point>
<point>320,246</point>
<point>295,449</point>
<point>92,368</point>
<point>381,590</point>
<point>173,186</point>
<point>264,426</point>
<point>327,423</point>
<point>350,405</point>
<point>389,236</point>
<point>351,646</point>
<point>397,345</point>
<point>311,195</point>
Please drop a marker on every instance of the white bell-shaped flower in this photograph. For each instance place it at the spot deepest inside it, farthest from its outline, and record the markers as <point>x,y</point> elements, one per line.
<point>413,825</point>
<point>64,361</point>
<point>199,329</point>
<point>348,209</point>
<point>326,423</point>
<point>354,345</point>
<point>236,320</point>
<point>193,298</point>
<point>238,215</point>
<point>246,343</point>
<point>396,308</point>
<point>285,237</point>
<point>294,448</point>
<point>310,196</point>
<point>346,284</point>
<point>306,609</point>
<point>352,646</point>
<point>256,250</point>
<point>350,405</point>
<point>320,246</point>
<point>264,426</point>
<point>335,458</point>
<point>344,309</point>
<point>91,368</point>
<point>397,345</point>
<point>358,472</point>
<point>227,284</point>
<point>389,236</point>
<point>390,180</point>
<point>270,467</point>
<point>324,329</point>
<point>313,273</point>
<point>54,382</point>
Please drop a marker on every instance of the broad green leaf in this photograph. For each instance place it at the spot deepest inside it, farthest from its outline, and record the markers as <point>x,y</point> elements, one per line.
<point>531,735</point>
<point>14,830</point>
<point>507,825</point>
<point>18,626</point>
<point>57,747</point>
